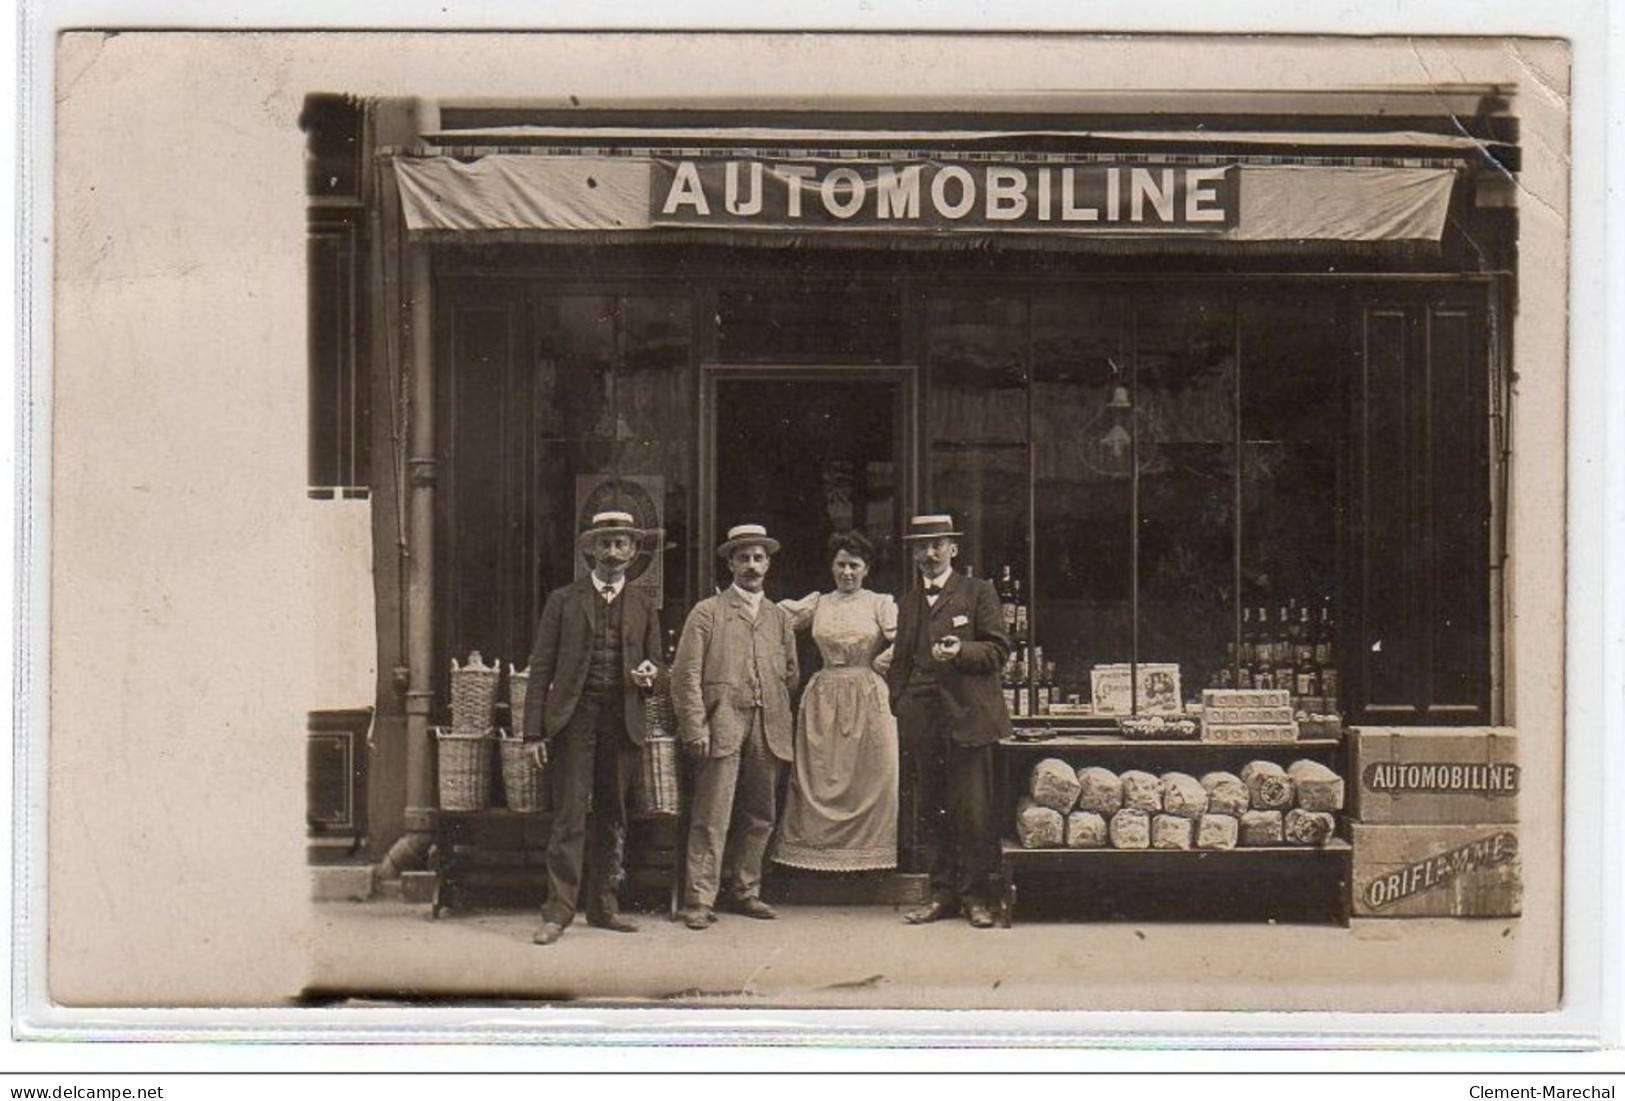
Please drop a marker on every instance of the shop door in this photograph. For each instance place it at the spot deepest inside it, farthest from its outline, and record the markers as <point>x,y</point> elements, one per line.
<point>808,452</point>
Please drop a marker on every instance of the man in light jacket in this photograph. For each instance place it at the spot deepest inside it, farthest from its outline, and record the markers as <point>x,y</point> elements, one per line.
<point>731,683</point>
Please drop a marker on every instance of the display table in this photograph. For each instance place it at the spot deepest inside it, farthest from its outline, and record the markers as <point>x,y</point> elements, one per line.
<point>1284,882</point>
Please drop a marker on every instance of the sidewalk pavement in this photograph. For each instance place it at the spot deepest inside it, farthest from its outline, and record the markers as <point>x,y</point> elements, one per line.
<point>867,957</point>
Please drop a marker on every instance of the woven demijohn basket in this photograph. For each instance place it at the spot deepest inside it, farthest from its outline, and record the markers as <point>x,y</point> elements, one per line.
<point>658,791</point>
<point>474,693</point>
<point>523,784</point>
<point>518,685</point>
<point>464,758</point>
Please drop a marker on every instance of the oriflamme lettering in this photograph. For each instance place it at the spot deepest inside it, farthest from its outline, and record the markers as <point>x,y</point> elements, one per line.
<point>1435,871</point>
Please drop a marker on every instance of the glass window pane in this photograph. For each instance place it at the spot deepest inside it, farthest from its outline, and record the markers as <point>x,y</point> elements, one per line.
<point>654,406</point>
<point>1184,410</point>
<point>1294,376</point>
<point>976,351</point>
<point>976,418</point>
<point>1081,591</point>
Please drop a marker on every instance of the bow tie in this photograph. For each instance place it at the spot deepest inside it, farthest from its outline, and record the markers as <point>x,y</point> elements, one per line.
<point>933,590</point>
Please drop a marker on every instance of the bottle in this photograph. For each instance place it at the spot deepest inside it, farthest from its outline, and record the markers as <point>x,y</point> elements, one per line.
<point>1007,600</point>
<point>1007,681</point>
<point>1326,652</point>
<point>1282,650</point>
<point>1023,697</point>
<point>1263,652</point>
<point>1245,655</point>
<point>1303,650</point>
<point>1019,627</point>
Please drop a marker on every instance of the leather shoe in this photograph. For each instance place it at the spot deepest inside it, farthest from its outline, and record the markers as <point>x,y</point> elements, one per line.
<point>751,908</point>
<point>979,915</point>
<point>550,932</point>
<point>935,910</point>
<point>698,917</point>
<point>615,923</point>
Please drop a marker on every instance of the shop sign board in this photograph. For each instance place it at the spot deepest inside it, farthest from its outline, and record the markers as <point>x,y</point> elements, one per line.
<point>1436,775</point>
<point>1436,870</point>
<point>934,195</point>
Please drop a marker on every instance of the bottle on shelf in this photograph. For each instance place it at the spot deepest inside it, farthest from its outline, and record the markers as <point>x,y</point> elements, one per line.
<point>1303,646</point>
<point>1007,681</point>
<point>1245,666</point>
<point>1263,661</point>
<point>1281,650</point>
<point>1006,588</point>
<point>1019,627</point>
<point>1326,655</point>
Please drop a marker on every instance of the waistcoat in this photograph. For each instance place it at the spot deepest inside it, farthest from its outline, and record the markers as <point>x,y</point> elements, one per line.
<point>604,664</point>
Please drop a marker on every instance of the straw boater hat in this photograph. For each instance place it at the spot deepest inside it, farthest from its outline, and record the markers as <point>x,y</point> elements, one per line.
<point>611,523</point>
<point>938,526</point>
<point>746,535</point>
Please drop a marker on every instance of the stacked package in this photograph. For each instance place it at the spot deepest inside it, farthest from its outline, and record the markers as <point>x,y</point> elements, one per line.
<point>1093,807</point>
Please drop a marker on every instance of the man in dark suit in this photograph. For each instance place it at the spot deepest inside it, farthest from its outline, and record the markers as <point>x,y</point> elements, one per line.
<point>595,649</point>
<point>945,691</point>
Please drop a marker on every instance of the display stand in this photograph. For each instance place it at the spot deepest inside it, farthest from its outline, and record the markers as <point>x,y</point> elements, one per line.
<point>1315,878</point>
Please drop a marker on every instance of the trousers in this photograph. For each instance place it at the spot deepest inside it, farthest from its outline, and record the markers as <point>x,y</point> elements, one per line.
<point>590,767</point>
<point>734,808</point>
<point>949,789</point>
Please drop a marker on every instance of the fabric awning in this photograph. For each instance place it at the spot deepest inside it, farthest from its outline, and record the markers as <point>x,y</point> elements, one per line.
<point>912,200</point>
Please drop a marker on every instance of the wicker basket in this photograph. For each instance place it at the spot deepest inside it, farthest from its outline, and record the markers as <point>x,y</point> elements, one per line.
<point>518,684</point>
<point>464,758</point>
<point>657,791</point>
<point>474,693</point>
<point>524,786</point>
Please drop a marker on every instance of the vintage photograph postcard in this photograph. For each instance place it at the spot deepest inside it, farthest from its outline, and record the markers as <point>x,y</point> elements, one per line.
<point>809,522</point>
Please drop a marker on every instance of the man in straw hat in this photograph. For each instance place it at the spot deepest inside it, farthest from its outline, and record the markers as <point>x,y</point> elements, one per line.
<point>731,682</point>
<point>595,649</point>
<point>945,691</point>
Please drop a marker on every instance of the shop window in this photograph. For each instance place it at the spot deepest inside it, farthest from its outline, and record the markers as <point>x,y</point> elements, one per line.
<point>978,422</point>
<point>554,406</point>
<point>1230,486</point>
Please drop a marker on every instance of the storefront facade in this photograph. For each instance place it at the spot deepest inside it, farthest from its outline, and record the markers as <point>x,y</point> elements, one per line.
<point>1227,395</point>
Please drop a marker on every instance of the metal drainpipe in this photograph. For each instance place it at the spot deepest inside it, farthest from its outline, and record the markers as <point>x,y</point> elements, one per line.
<point>420,795</point>
<point>412,850</point>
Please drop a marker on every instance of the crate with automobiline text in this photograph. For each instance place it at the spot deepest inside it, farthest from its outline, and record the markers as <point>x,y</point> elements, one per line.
<point>1439,776</point>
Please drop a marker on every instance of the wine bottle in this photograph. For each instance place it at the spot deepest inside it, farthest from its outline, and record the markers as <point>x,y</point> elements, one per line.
<point>1007,600</point>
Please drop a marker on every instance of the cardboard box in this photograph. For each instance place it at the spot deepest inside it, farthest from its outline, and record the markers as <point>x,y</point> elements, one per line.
<point>1436,870</point>
<point>1250,733</point>
<point>1434,775</point>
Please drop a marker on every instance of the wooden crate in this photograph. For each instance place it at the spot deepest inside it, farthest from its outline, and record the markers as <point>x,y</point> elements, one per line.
<point>1436,870</point>
<point>1432,775</point>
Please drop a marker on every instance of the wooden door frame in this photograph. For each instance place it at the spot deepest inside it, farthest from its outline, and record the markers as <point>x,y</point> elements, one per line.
<point>907,428</point>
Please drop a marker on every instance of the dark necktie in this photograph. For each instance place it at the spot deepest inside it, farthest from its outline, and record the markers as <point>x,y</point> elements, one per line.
<point>609,593</point>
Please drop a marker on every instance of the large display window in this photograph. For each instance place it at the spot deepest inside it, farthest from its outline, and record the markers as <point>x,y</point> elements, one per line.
<point>1231,487</point>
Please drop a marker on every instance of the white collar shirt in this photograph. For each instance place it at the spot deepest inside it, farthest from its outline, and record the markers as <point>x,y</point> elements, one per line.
<point>753,601</point>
